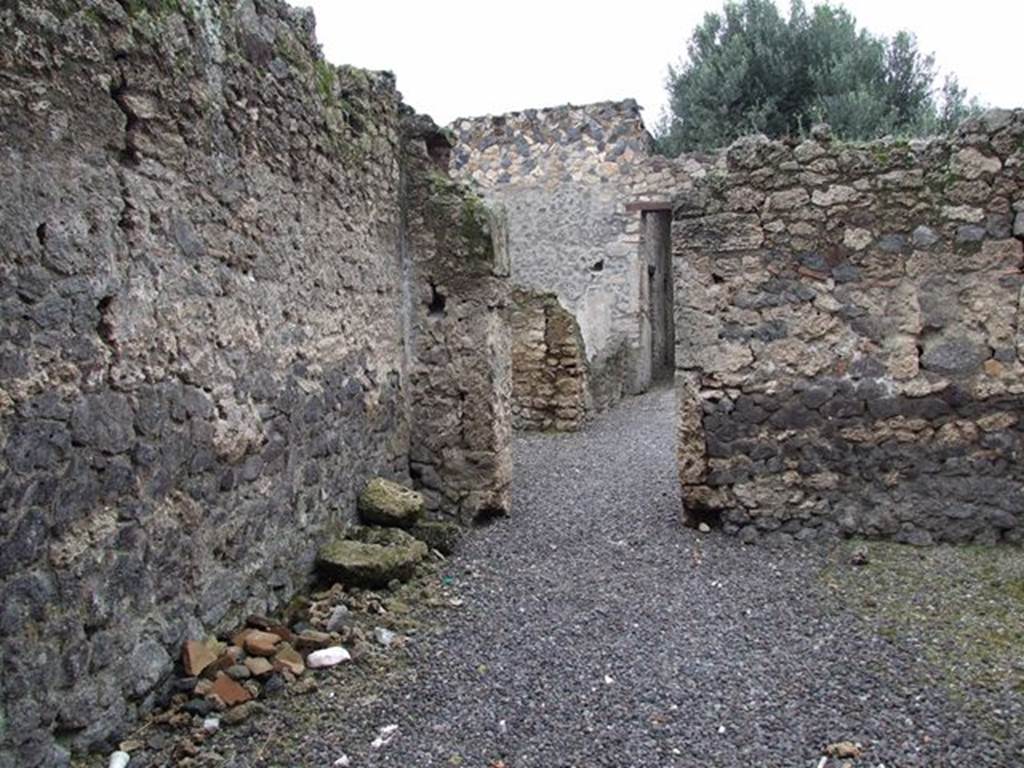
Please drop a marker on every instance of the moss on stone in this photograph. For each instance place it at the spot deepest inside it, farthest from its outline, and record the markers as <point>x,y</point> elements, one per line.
<point>289,49</point>
<point>371,557</point>
<point>384,502</point>
<point>326,81</point>
<point>475,227</point>
<point>439,534</point>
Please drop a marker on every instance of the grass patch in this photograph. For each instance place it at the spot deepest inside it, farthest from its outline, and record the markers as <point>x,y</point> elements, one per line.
<point>961,607</point>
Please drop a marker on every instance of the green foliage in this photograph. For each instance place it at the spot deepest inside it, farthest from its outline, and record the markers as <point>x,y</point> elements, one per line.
<point>326,79</point>
<point>751,70</point>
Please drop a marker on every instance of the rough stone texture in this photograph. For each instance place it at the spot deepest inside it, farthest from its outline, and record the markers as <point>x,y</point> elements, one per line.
<point>439,534</point>
<point>455,251</point>
<point>210,242</point>
<point>549,366</point>
<point>852,359</point>
<point>385,502</point>
<point>566,175</point>
<point>371,557</point>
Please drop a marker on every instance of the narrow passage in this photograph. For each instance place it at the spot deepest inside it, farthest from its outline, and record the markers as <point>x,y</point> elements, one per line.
<point>596,631</point>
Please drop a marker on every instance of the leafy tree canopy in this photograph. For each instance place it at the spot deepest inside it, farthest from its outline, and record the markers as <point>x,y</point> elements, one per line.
<point>750,70</point>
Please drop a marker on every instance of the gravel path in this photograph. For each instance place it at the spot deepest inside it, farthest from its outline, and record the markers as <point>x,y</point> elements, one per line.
<point>597,632</point>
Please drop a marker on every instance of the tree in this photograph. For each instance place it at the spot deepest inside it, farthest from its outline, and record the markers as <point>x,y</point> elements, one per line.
<point>751,70</point>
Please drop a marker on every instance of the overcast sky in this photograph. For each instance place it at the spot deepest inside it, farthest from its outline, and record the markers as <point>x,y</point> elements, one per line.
<point>465,58</point>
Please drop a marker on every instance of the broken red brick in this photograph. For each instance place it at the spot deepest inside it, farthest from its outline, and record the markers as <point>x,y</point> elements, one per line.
<point>195,657</point>
<point>228,691</point>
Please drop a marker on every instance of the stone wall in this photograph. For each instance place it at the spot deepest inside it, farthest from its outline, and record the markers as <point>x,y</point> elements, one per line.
<point>461,378</point>
<point>549,365</point>
<point>566,176</point>
<point>853,353</point>
<point>214,255</point>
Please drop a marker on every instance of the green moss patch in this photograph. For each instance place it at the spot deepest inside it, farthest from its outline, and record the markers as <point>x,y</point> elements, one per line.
<point>961,607</point>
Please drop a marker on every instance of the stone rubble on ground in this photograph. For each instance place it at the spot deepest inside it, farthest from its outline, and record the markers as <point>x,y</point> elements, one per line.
<point>387,733</point>
<point>224,677</point>
<point>859,556</point>
<point>844,749</point>
<point>340,618</point>
<point>384,636</point>
<point>328,657</point>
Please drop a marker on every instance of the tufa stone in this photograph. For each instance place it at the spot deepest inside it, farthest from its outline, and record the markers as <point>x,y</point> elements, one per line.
<point>382,556</point>
<point>384,502</point>
<point>258,666</point>
<point>290,659</point>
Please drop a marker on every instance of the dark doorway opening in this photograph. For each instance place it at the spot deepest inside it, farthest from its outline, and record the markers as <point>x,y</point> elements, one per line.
<point>657,252</point>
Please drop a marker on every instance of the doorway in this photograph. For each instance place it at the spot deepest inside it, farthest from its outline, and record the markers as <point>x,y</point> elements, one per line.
<point>656,238</point>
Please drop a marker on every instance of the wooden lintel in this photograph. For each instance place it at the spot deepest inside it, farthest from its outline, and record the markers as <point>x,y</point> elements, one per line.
<point>649,205</point>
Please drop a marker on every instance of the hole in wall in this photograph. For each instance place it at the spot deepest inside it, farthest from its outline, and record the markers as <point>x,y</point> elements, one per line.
<point>597,266</point>
<point>717,279</point>
<point>488,515</point>
<point>704,516</point>
<point>437,302</point>
<point>439,150</point>
<point>105,328</point>
<point>41,234</point>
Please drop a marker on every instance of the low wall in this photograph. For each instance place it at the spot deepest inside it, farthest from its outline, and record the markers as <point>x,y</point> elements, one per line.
<point>852,359</point>
<point>549,366</point>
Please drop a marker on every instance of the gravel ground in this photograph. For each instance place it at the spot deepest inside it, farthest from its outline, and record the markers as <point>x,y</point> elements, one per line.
<point>595,631</point>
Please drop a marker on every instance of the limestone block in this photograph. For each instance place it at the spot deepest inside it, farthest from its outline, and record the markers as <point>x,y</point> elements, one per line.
<point>971,163</point>
<point>835,194</point>
<point>858,239</point>
<point>375,558</point>
<point>964,213</point>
